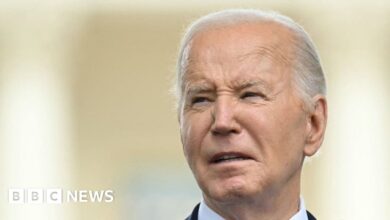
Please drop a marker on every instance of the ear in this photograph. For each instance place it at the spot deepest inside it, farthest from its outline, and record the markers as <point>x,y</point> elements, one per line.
<point>316,124</point>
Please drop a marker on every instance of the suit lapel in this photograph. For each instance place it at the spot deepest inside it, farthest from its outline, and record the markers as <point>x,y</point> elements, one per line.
<point>310,216</point>
<point>194,214</point>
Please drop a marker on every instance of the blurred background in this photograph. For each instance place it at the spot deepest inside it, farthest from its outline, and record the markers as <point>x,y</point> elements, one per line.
<point>85,104</point>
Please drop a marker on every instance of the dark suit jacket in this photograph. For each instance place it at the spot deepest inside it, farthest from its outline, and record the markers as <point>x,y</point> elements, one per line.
<point>194,214</point>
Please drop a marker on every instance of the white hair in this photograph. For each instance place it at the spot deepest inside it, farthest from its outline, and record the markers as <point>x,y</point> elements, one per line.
<point>308,75</point>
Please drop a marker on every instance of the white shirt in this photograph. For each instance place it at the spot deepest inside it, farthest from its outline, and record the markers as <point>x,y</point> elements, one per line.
<point>205,213</point>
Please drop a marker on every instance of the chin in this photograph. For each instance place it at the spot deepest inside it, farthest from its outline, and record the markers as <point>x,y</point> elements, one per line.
<point>231,190</point>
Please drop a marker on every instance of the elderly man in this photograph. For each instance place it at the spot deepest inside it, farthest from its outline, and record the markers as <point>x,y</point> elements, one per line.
<point>252,106</point>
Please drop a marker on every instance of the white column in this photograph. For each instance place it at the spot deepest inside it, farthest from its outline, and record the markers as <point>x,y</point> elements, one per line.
<point>35,120</point>
<point>362,150</point>
<point>356,171</point>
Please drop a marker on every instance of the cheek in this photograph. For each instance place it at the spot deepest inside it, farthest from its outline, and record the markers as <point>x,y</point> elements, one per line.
<point>259,126</point>
<point>193,131</point>
<point>278,136</point>
<point>186,136</point>
<point>290,141</point>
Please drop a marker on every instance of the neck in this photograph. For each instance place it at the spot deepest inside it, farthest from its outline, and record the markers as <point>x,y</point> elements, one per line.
<point>276,205</point>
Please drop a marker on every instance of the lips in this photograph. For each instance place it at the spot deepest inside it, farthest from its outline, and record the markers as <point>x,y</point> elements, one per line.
<point>229,157</point>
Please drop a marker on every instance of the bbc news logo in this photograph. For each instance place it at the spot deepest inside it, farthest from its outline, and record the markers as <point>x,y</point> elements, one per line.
<point>58,196</point>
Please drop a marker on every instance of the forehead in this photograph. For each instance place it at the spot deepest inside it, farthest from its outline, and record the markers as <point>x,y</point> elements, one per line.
<point>243,38</point>
<point>245,49</point>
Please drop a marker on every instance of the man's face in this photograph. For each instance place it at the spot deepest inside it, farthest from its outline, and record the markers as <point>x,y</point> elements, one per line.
<point>243,126</point>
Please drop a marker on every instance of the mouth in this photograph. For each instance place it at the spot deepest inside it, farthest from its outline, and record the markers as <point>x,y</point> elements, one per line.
<point>226,157</point>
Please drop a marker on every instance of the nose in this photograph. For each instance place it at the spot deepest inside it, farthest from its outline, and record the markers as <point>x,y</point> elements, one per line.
<point>223,116</point>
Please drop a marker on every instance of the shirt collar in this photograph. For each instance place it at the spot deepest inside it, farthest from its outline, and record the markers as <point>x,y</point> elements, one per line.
<point>205,213</point>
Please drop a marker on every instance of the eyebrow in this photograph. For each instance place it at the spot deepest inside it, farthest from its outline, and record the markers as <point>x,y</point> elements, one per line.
<point>244,84</point>
<point>239,85</point>
<point>199,88</point>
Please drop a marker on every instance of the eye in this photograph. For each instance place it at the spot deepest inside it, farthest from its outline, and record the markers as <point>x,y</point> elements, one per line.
<point>200,99</point>
<point>251,95</point>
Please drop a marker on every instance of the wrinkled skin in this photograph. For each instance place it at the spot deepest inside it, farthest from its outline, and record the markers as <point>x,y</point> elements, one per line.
<point>240,102</point>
